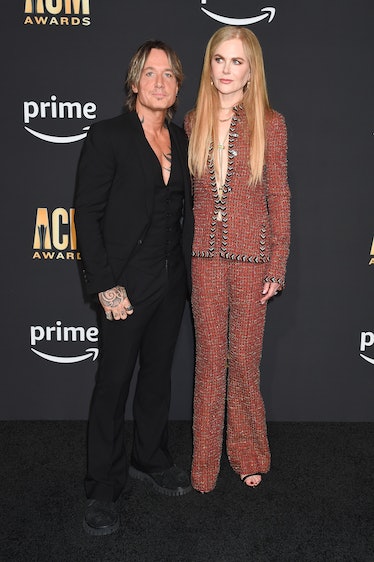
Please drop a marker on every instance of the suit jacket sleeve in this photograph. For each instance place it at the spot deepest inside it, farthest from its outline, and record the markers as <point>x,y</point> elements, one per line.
<point>278,197</point>
<point>96,170</point>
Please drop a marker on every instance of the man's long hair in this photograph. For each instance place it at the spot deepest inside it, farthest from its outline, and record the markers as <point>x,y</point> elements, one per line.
<point>136,67</point>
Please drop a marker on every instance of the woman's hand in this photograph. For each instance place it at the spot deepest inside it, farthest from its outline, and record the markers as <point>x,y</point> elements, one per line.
<point>269,291</point>
<point>115,303</point>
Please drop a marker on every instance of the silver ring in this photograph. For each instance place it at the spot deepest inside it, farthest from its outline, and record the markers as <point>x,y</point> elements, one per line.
<point>129,308</point>
<point>276,292</point>
<point>108,315</point>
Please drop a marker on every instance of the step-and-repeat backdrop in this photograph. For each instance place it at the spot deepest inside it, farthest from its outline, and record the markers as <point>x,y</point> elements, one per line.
<point>64,64</point>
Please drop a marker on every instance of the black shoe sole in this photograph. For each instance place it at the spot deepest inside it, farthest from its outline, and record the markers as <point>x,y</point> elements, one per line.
<point>99,532</point>
<point>139,475</point>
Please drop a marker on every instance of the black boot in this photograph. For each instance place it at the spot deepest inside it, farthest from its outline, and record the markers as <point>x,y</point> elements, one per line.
<point>100,518</point>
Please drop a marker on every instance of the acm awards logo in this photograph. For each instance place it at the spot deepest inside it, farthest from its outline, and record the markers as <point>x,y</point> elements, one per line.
<point>55,236</point>
<point>67,336</point>
<point>371,261</point>
<point>56,113</point>
<point>267,14</point>
<point>57,12</point>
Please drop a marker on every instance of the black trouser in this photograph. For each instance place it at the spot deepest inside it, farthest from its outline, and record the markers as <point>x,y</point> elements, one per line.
<point>150,332</point>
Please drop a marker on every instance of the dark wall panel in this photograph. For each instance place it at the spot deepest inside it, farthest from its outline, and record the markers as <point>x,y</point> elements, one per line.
<point>64,65</point>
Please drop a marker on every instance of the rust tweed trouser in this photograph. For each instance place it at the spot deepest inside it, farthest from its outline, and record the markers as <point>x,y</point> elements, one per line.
<point>229,326</point>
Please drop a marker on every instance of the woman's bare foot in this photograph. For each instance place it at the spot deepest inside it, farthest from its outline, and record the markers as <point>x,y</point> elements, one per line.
<point>251,480</point>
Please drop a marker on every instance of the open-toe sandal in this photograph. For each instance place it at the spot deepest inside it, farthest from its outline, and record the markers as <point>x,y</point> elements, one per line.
<point>244,478</point>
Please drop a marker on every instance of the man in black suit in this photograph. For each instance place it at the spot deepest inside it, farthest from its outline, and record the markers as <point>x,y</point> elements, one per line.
<point>134,226</point>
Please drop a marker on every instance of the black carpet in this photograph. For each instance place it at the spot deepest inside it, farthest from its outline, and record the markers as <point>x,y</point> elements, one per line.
<point>315,505</point>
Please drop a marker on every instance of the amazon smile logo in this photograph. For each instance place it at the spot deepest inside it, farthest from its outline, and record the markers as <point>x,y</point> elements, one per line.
<point>59,335</point>
<point>268,13</point>
<point>45,114</point>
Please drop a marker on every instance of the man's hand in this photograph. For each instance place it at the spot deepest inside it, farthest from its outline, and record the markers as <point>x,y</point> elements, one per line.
<point>115,303</point>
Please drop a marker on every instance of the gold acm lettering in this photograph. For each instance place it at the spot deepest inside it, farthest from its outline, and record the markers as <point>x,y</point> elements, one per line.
<point>60,218</point>
<point>55,230</point>
<point>371,262</point>
<point>57,6</point>
<point>42,234</point>
<point>73,232</point>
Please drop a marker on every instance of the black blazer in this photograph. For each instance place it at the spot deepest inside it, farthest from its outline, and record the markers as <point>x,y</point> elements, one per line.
<point>114,198</point>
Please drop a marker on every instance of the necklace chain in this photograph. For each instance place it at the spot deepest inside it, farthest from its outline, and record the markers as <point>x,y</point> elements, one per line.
<point>227,118</point>
<point>220,148</point>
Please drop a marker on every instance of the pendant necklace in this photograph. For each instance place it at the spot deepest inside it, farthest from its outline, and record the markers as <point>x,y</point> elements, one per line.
<point>220,148</point>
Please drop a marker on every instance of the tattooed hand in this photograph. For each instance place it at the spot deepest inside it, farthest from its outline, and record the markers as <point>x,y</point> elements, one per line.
<point>115,303</point>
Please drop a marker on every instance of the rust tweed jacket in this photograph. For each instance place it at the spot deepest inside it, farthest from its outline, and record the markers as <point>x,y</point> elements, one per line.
<point>255,219</point>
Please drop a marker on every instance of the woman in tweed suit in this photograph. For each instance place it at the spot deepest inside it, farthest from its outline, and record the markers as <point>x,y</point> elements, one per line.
<point>238,161</point>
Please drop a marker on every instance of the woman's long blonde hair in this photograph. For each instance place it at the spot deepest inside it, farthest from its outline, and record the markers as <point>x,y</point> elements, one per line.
<point>255,102</point>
